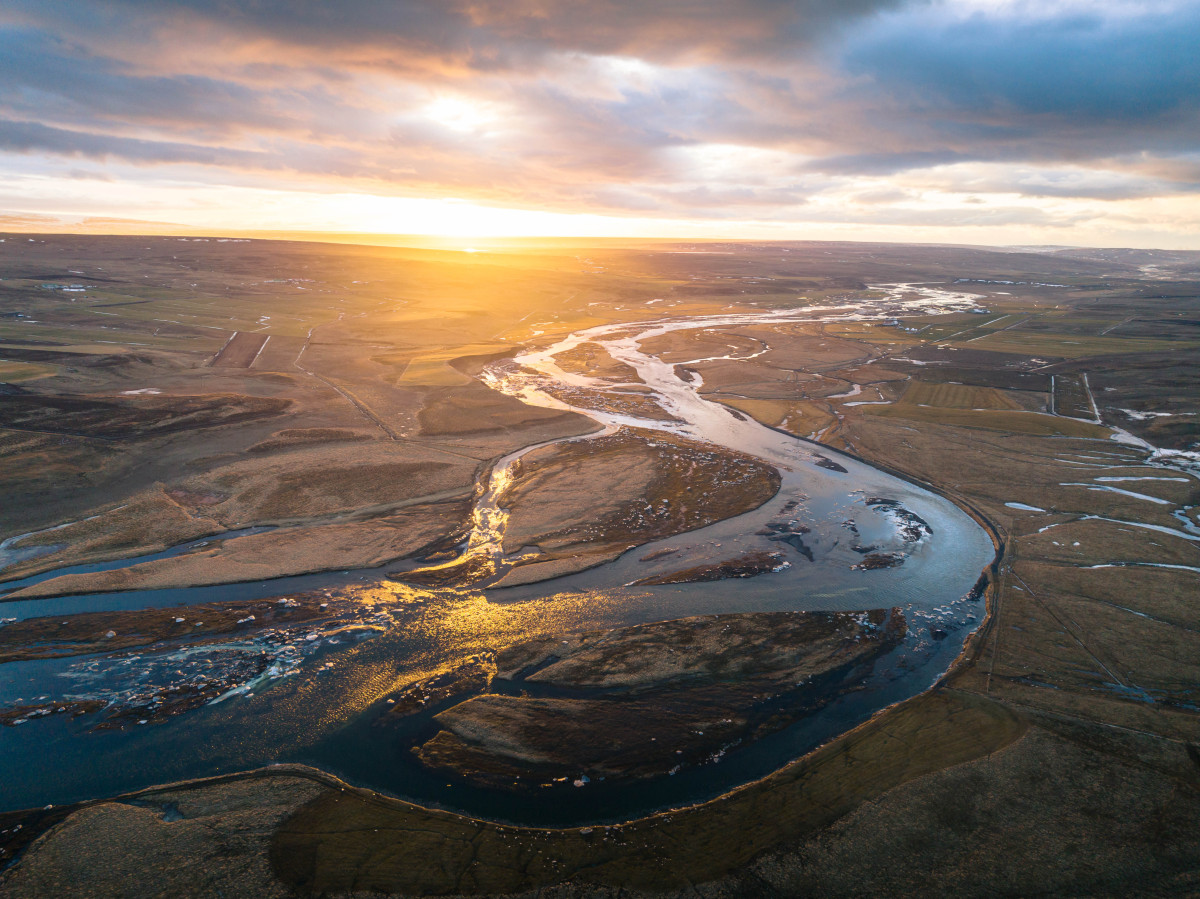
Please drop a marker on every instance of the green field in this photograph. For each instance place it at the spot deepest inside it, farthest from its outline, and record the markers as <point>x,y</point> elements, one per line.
<point>1068,346</point>
<point>1032,423</point>
<point>958,396</point>
<point>13,372</point>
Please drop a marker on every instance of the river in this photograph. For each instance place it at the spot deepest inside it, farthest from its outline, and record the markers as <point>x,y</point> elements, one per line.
<point>316,702</point>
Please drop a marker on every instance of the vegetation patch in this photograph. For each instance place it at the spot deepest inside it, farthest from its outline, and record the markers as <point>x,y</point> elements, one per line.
<point>957,396</point>
<point>1031,423</point>
<point>133,417</point>
<point>656,698</point>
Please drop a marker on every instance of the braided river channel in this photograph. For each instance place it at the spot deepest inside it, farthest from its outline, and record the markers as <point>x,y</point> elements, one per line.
<point>316,700</point>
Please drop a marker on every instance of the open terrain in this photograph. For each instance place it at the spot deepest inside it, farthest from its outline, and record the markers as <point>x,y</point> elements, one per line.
<point>328,395</point>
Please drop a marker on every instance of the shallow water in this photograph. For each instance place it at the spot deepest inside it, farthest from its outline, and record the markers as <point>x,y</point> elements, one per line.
<point>319,704</point>
<point>7,587</point>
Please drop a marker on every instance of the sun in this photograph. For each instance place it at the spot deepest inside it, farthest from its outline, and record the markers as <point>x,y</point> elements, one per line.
<point>460,113</point>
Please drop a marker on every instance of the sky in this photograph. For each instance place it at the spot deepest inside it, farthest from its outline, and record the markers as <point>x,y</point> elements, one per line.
<point>978,121</point>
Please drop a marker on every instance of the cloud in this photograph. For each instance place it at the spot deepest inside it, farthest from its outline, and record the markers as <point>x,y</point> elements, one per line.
<point>25,137</point>
<point>475,35</point>
<point>756,108</point>
<point>1099,183</point>
<point>64,81</point>
<point>1080,83</point>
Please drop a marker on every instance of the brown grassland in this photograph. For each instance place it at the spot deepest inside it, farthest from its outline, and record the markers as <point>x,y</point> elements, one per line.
<point>1059,756</point>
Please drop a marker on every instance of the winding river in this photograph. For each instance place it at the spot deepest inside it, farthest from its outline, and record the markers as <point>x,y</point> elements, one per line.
<point>316,702</point>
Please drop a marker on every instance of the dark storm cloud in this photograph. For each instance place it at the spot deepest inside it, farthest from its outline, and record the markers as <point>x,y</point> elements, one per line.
<point>1080,67</point>
<point>484,34</point>
<point>1075,86</point>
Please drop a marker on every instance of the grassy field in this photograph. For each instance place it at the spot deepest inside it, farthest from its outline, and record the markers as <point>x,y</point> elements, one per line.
<point>1068,346</point>
<point>1072,397</point>
<point>1057,757</point>
<point>995,420</point>
<point>15,372</point>
<point>958,396</point>
<point>872,332</point>
<point>432,371</point>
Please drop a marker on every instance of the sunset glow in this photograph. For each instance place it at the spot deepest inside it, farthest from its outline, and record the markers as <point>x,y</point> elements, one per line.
<point>956,122</point>
<point>592,448</point>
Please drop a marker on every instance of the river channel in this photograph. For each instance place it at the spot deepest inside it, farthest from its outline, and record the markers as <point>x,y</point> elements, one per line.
<point>316,703</point>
